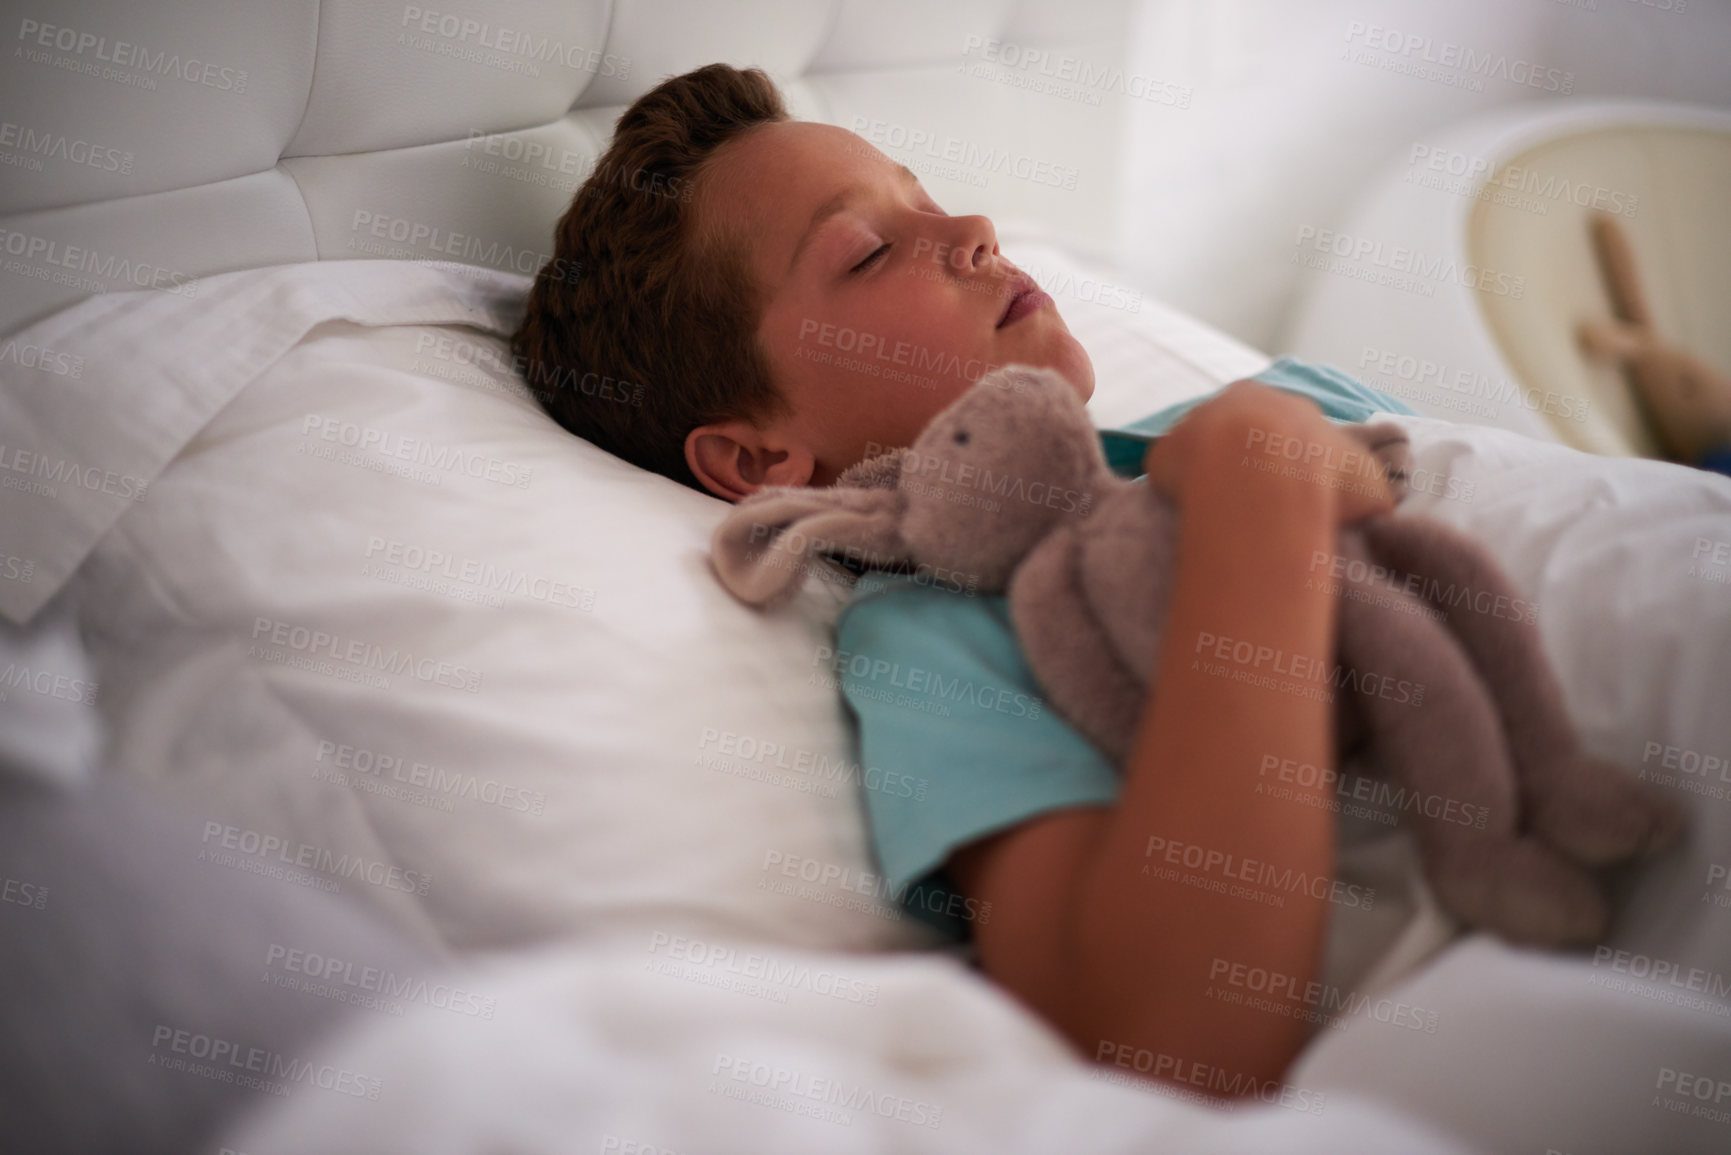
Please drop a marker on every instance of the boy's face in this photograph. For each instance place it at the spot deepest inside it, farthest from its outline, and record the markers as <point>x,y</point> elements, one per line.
<point>881,308</point>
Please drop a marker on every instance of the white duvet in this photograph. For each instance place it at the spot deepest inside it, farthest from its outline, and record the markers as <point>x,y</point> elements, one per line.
<point>536,759</point>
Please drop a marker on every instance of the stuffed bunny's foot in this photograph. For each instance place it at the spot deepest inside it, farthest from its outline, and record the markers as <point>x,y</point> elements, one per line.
<point>1518,889</point>
<point>1606,815</point>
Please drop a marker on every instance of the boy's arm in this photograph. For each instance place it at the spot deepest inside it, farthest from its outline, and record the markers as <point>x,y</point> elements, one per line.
<point>1121,961</point>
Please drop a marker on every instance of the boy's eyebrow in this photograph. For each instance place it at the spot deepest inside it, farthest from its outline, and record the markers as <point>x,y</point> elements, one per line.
<point>833,206</point>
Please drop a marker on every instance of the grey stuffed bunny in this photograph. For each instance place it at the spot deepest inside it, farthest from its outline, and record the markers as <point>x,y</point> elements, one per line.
<point>1008,489</point>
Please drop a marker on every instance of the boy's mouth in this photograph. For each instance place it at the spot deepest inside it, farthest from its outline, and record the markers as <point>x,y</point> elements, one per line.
<point>1025,298</point>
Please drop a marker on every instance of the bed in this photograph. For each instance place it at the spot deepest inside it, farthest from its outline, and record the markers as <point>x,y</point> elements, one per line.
<point>375,626</point>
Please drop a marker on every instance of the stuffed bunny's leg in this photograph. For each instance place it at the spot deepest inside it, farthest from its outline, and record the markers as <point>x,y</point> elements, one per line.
<point>1433,728</point>
<point>1588,808</point>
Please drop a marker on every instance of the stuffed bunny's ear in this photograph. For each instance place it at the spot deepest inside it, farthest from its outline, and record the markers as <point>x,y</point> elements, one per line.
<point>762,550</point>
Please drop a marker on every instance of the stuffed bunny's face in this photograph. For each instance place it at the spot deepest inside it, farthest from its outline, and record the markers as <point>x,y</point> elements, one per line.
<point>996,471</point>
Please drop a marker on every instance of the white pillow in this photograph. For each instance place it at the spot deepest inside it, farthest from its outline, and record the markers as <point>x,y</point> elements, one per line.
<point>507,641</point>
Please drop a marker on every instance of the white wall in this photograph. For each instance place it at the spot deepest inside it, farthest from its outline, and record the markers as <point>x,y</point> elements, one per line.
<point>1285,127</point>
<point>1011,108</point>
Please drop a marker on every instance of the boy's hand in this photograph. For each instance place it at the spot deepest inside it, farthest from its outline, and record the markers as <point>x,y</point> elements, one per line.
<point>1278,440</point>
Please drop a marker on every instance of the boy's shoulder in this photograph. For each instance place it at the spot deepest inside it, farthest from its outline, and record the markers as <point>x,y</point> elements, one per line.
<point>931,622</point>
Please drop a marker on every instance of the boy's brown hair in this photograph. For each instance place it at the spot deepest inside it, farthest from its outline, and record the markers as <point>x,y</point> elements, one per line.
<point>639,331</point>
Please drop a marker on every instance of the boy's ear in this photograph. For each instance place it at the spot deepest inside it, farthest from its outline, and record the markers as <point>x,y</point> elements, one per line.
<point>734,459</point>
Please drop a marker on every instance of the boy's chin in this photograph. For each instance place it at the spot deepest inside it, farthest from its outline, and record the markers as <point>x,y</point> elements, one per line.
<point>1072,363</point>
<point>1079,373</point>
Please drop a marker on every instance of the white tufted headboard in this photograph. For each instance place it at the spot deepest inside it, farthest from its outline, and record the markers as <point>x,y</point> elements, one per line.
<point>145,143</point>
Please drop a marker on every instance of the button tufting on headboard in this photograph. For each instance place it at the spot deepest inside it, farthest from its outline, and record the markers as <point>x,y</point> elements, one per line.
<point>146,143</point>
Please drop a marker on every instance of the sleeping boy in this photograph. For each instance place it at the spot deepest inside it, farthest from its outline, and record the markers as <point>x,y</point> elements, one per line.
<point>810,305</point>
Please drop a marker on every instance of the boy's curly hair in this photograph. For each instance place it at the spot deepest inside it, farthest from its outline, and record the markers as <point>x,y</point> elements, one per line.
<point>639,331</point>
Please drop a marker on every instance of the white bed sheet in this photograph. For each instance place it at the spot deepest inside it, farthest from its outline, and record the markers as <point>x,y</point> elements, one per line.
<point>1637,619</point>
<point>596,1051</point>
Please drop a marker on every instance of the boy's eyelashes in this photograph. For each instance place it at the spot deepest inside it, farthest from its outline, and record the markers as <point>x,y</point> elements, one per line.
<point>872,259</point>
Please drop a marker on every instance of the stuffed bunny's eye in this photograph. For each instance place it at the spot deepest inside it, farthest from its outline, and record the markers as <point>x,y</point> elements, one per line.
<point>961,437</point>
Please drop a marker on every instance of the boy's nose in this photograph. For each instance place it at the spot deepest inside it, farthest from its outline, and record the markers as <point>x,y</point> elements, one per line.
<point>976,244</point>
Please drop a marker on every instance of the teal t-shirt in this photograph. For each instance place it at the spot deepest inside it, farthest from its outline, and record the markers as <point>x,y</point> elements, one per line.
<point>945,700</point>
